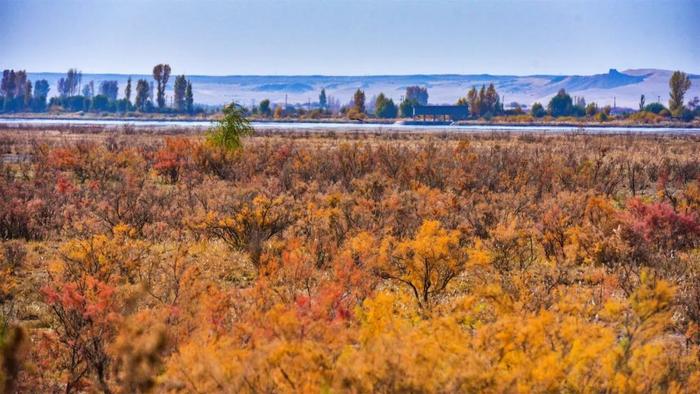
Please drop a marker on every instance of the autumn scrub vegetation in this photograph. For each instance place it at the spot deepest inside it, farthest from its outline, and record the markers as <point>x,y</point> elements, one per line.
<point>349,263</point>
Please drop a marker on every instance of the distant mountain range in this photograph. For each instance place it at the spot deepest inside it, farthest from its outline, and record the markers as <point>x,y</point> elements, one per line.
<point>622,88</point>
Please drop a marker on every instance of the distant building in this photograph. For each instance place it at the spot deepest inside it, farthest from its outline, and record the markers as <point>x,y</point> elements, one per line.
<point>440,112</point>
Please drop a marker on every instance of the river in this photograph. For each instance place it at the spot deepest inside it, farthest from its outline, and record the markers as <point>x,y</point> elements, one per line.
<point>328,126</point>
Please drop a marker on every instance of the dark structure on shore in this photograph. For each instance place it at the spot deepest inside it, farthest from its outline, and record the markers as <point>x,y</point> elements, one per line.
<point>440,112</point>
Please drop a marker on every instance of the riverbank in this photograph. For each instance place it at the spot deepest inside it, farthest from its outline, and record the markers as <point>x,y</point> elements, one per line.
<point>182,118</point>
<point>209,119</point>
<point>86,126</point>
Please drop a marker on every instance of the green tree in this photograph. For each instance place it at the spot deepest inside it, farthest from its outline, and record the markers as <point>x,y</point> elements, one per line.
<point>27,94</point>
<point>384,107</point>
<point>142,94</point>
<point>322,99</point>
<point>41,88</point>
<point>100,103</point>
<point>417,94</point>
<point>161,74</point>
<point>592,109</point>
<point>537,110</point>
<point>89,89</point>
<point>69,85</point>
<point>406,107</point>
<point>264,108</point>
<point>189,98</point>
<point>655,108</point>
<point>482,100</point>
<point>561,104</point>
<point>179,93</point>
<point>110,89</point>
<point>14,90</point>
<point>358,101</point>
<point>127,91</point>
<point>642,99</point>
<point>679,84</point>
<point>579,108</point>
<point>41,92</point>
<point>8,90</point>
<point>474,102</point>
<point>490,101</point>
<point>227,135</point>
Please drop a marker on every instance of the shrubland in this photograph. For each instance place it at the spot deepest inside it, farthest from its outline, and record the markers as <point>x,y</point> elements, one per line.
<point>135,262</point>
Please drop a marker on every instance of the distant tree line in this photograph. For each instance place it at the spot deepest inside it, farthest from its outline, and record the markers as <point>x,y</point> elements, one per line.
<point>326,106</point>
<point>486,103</point>
<point>18,95</point>
<point>562,104</point>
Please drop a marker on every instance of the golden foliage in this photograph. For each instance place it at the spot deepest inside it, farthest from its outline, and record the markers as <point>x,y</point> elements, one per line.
<point>425,264</point>
<point>362,263</point>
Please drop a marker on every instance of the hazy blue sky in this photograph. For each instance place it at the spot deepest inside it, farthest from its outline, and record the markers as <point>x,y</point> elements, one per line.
<point>350,37</point>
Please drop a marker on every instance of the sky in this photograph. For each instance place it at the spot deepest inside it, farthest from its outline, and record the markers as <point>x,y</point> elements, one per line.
<point>333,37</point>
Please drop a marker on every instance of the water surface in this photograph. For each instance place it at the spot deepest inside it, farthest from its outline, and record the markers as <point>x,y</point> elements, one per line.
<point>329,126</point>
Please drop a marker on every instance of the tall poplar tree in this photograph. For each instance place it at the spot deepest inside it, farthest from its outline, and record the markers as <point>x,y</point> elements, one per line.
<point>189,99</point>
<point>142,94</point>
<point>161,74</point>
<point>127,91</point>
<point>679,84</point>
<point>322,100</point>
<point>179,91</point>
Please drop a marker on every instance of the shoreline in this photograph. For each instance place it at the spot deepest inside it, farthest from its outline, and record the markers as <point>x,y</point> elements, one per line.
<point>379,122</point>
